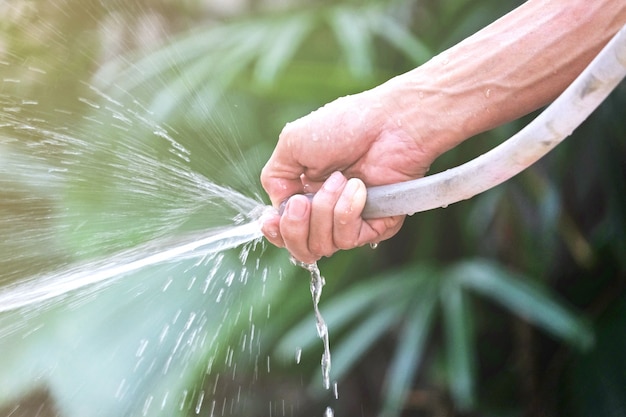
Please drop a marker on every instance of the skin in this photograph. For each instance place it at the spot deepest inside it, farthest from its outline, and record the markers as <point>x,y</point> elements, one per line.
<point>395,131</point>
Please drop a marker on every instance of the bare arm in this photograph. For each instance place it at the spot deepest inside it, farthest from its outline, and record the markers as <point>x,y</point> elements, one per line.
<point>394,132</point>
<point>515,65</point>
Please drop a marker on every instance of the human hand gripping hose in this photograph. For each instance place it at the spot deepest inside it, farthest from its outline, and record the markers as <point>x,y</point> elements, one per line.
<point>520,151</point>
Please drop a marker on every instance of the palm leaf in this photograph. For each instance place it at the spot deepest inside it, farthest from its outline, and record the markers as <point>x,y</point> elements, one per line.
<point>410,348</point>
<point>401,38</point>
<point>342,310</point>
<point>353,33</point>
<point>360,339</point>
<point>287,36</point>
<point>459,344</point>
<point>531,302</point>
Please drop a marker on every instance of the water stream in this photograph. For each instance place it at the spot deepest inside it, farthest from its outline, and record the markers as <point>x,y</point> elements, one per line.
<point>133,277</point>
<point>40,289</point>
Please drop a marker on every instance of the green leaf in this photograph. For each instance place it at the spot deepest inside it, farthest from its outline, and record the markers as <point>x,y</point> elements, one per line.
<point>459,344</point>
<point>410,348</point>
<point>286,38</point>
<point>355,344</point>
<point>353,34</point>
<point>342,310</point>
<point>398,36</point>
<point>217,70</point>
<point>129,73</point>
<point>531,302</point>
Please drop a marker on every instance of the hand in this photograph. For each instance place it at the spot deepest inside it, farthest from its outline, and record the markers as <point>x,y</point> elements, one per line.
<point>335,152</point>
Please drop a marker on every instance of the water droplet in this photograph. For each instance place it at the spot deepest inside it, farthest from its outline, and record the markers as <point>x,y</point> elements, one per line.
<point>199,402</point>
<point>444,206</point>
<point>88,102</point>
<point>164,401</point>
<point>374,245</point>
<point>298,355</point>
<point>488,92</point>
<point>219,295</point>
<point>39,70</point>
<point>329,412</point>
<point>146,405</point>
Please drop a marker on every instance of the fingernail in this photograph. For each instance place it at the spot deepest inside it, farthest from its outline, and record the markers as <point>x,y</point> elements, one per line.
<point>296,207</point>
<point>352,195</point>
<point>271,231</point>
<point>334,182</point>
<point>352,186</point>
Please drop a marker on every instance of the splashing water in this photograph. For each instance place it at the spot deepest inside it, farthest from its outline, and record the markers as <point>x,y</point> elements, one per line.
<point>62,163</point>
<point>114,195</point>
<point>125,264</point>
<point>112,210</point>
<point>114,187</point>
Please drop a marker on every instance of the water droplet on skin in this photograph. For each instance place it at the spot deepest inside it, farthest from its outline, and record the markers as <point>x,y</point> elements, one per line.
<point>444,206</point>
<point>488,92</point>
<point>374,245</point>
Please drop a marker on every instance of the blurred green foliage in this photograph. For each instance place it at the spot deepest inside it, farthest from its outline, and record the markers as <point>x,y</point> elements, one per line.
<point>489,307</point>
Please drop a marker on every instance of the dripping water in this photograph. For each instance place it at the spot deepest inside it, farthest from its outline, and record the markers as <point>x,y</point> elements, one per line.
<point>317,284</point>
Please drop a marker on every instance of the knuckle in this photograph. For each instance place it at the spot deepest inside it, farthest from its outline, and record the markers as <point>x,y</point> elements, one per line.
<point>345,241</point>
<point>317,248</point>
<point>321,249</point>
<point>346,244</point>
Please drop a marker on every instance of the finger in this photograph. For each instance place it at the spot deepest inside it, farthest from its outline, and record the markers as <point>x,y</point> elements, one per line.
<point>280,181</point>
<point>281,175</point>
<point>271,230</point>
<point>322,213</point>
<point>347,215</point>
<point>311,186</point>
<point>294,228</point>
<point>378,230</point>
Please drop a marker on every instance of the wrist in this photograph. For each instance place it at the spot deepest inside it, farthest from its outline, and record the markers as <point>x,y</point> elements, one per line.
<point>432,114</point>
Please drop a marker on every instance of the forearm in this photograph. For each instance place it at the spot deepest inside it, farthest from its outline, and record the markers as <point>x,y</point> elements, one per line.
<point>510,68</point>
